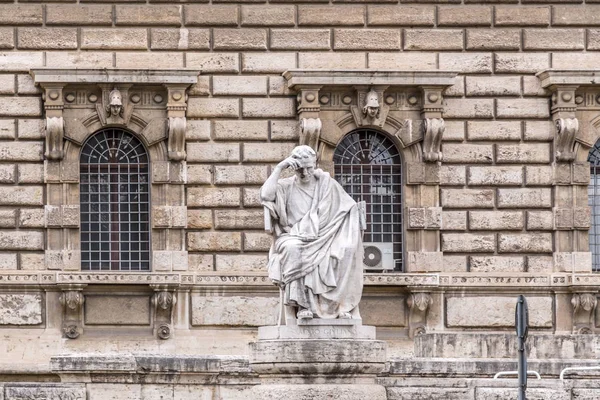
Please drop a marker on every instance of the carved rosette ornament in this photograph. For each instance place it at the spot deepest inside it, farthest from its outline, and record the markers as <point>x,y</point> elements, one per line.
<point>72,300</point>
<point>584,311</point>
<point>433,131</point>
<point>164,302</point>
<point>418,305</point>
<point>566,131</point>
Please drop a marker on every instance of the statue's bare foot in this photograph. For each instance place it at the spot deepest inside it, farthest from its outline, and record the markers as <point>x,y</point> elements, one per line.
<point>304,314</point>
<point>345,315</point>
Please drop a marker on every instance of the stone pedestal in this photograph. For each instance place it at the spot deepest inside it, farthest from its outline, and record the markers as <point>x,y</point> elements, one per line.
<point>325,357</point>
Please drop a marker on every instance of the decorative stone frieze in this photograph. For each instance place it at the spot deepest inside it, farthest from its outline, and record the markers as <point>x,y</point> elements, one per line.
<point>584,312</point>
<point>72,300</point>
<point>418,305</point>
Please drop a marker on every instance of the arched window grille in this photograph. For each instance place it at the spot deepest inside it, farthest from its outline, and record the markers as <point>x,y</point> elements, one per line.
<point>114,198</point>
<point>594,203</point>
<point>369,167</point>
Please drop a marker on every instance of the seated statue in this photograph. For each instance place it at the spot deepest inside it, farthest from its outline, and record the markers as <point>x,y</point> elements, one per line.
<point>317,253</point>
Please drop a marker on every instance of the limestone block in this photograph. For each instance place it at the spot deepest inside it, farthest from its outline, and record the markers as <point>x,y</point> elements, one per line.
<point>199,219</point>
<point>59,14</point>
<point>200,262</point>
<point>213,15</point>
<point>300,39</point>
<point>540,220</point>
<point>324,15</point>
<point>31,261</point>
<point>272,62</point>
<point>142,59</point>
<point>8,261</point>
<point>469,108</point>
<point>522,62</point>
<point>493,130</point>
<point>468,243</point>
<point>367,39</point>
<point>251,197</point>
<point>86,59</point>
<point>180,39</point>
<point>240,39</point>
<point>213,152</point>
<point>7,38</point>
<point>239,219</point>
<point>454,220</point>
<point>21,240</point>
<point>114,391</point>
<point>563,218</point>
<point>148,15</point>
<point>241,130</point>
<point>424,218</point>
<point>466,62</point>
<point>496,220</point>
<point>240,85</point>
<point>233,310</point>
<point>496,264</point>
<point>532,86</point>
<point>200,88</point>
<point>429,393</point>
<point>21,14</point>
<point>496,312</point>
<point>19,107</point>
<point>16,391</point>
<point>271,15</point>
<point>542,175</point>
<point>430,39</point>
<point>214,241</point>
<point>581,173</point>
<point>201,107</point>
<point>199,174</point>
<point>525,198</point>
<point>582,217</point>
<point>278,86</point>
<point>525,243</point>
<point>117,310</point>
<point>114,38</point>
<point>383,311</point>
<point>27,173</point>
<point>468,198</point>
<point>267,152</point>
<point>21,61</point>
<point>522,108</point>
<point>523,15</point>
<point>453,175</point>
<point>495,39</point>
<point>455,263</point>
<point>573,262</point>
<point>468,153</point>
<point>47,38</point>
<point>7,86</point>
<point>464,16</point>
<point>401,15</point>
<point>21,195</point>
<point>214,62</point>
<point>421,261</point>
<point>553,39</point>
<point>404,61</point>
<point>586,394</point>
<point>8,218</point>
<point>254,241</point>
<point>7,126</point>
<point>21,309</point>
<point>267,108</point>
<point>30,129</point>
<point>483,393</point>
<point>324,60</point>
<point>540,264</point>
<point>314,391</point>
<point>7,173</point>
<point>494,86</point>
<point>495,176</point>
<point>228,263</point>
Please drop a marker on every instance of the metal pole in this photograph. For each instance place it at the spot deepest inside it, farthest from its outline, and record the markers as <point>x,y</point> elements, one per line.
<point>522,326</point>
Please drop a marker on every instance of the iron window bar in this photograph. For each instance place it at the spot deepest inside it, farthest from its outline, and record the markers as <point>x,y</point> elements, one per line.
<point>594,203</point>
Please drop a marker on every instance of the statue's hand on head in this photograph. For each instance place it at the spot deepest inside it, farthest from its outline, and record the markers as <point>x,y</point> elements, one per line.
<point>289,162</point>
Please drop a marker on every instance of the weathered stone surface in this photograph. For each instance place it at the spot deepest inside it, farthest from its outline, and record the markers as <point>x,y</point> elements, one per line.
<point>21,309</point>
<point>234,310</point>
<point>334,392</point>
<point>525,198</point>
<point>213,197</point>
<point>21,195</point>
<point>214,241</point>
<point>496,312</point>
<point>495,176</point>
<point>468,198</point>
<point>21,240</point>
<point>497,264</point>
<point>468,243</point>
<point>117,310</point>
<point>496,220</point>
<point>509,393</point>
<point>16,391</point>
<point>525,243</point>
<point>428,393</point>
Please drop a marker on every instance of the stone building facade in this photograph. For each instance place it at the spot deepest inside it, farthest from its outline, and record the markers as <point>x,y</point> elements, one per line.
<point>486,111</point>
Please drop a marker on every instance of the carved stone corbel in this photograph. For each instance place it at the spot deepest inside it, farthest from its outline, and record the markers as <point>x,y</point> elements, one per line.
<point>176,107</point>
<point>55,126</point>
<point>566,131</point>
<point>164,301</point>
<point>310,132</point>
<point>418,305</point>
<point>72,300</point>
<point>584,312</point>
<point>433,131</point>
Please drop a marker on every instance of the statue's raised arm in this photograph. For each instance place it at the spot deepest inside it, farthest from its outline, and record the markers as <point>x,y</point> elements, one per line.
<point>317,252</point>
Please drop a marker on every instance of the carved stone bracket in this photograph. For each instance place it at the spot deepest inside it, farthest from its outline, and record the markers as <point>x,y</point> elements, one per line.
<point>433,131</point>
<point>176,108</point>
<point>164,301</point>
<point>584,312</point>
<point>310,132</point>
<point>566,130</point>
<point>55,125</point>
<point>72,300</point>
<point>418,305</point>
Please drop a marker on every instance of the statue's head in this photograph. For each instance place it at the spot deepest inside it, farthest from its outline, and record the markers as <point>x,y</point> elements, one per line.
<point>307,158</point>
<point>116,102</point>
<point>371,107</point>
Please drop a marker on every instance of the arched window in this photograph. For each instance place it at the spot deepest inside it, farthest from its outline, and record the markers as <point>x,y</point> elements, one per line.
<point>369,167</point>
<point>114,198</point>
<point>594,203</point>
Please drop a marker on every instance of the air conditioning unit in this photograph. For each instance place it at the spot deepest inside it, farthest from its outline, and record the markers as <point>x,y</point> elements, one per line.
<point>378,256</point>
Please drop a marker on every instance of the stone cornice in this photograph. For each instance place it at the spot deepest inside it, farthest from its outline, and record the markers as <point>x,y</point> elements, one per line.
<point>45,76</point>
<point>316,77</point>
<point>571,77</point>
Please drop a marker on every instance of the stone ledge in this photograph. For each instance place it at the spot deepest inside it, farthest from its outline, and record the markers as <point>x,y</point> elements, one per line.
<point>147,76</point>
<point>571,77</point>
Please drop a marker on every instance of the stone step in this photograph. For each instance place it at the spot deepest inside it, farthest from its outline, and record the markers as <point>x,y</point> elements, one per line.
<point>494,345</point>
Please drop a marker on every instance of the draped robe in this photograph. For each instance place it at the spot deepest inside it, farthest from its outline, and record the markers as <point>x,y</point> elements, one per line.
<point>317,252</point>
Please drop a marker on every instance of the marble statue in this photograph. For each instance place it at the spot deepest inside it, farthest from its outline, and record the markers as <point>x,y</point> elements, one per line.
<point>316,257</point>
